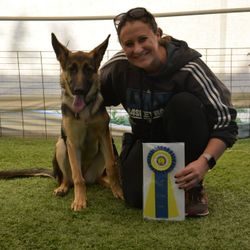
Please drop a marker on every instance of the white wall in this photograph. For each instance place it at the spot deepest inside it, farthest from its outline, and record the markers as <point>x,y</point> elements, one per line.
<point>227,30</point>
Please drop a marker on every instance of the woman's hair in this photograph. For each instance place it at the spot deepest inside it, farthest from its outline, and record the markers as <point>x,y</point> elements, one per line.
<point>135,14</point>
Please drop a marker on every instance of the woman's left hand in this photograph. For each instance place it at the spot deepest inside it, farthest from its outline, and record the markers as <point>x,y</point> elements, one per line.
<point>192,174</point>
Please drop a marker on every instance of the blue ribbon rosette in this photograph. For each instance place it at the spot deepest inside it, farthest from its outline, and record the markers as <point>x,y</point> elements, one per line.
<point>161,160</point>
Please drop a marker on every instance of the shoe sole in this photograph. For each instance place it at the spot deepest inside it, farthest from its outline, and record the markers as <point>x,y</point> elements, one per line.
<point>197,215</point>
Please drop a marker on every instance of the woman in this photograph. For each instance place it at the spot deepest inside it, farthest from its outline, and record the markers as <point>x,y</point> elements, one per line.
<point>170,96</point>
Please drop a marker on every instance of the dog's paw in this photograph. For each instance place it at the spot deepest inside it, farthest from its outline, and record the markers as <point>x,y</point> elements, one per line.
<point>117,192</point>
<point>78,205</point>
<point>61,191</point>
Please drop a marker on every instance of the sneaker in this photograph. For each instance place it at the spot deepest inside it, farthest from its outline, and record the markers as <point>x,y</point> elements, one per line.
<point>196,202</point>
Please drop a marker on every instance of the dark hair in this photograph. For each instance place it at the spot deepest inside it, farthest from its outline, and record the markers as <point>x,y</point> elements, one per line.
<point>134,14</point>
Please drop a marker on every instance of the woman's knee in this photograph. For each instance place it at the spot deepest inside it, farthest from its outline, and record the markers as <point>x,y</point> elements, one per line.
<point>185,121</point>
<point>184,102</point>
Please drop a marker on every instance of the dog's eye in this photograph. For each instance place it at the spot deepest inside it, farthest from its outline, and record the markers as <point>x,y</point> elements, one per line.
<point>73,68</point>
<point>88,69</point>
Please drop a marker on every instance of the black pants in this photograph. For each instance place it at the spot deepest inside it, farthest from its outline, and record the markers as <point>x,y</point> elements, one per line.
<point>185,121</point>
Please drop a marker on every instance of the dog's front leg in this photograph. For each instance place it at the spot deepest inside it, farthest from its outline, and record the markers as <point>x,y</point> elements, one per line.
<point>80,199</point>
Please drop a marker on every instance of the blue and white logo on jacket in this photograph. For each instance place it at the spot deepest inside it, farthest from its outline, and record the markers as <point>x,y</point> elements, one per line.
<point>146,105</point>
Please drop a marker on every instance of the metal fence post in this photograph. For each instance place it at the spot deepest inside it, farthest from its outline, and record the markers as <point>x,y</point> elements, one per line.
<point>231,69</point>
<point>20,90</point>
<point>1,129</point>
<point>44,100</point>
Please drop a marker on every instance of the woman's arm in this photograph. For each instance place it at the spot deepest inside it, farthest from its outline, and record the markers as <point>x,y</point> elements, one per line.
<point>195,171</point>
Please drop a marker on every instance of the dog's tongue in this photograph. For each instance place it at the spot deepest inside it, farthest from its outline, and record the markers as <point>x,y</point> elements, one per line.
<point>78,103</point>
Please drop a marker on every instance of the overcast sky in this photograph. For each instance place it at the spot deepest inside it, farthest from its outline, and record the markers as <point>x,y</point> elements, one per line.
<point>199,31</point>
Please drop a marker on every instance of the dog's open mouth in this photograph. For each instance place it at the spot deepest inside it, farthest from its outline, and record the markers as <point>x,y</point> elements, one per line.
<point>78,103</point>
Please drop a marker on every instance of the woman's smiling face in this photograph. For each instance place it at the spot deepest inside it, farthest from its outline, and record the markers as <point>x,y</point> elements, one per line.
<point>141,46</point>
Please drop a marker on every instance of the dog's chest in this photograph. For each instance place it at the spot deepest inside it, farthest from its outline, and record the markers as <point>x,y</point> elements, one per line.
<point>90,148</point>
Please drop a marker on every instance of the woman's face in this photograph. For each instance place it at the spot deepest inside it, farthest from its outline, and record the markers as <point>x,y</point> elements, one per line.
<point>141,46</point>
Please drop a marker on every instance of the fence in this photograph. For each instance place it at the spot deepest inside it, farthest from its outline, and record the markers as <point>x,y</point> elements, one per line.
<point>30,91</point>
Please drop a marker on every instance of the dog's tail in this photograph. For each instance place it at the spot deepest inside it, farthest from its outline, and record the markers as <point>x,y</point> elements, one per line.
<point>32,172</point>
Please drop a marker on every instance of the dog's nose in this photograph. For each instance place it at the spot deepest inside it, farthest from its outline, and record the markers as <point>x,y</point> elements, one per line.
<point>79,92</point>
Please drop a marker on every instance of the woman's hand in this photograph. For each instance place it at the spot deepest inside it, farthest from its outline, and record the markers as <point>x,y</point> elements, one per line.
<point>195,171</point>
<point>192,174</point>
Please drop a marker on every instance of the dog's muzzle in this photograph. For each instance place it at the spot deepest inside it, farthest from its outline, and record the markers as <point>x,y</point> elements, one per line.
<point>78,103</point>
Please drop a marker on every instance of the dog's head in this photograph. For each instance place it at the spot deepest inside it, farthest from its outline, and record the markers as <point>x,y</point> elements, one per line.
<point>79,76</point>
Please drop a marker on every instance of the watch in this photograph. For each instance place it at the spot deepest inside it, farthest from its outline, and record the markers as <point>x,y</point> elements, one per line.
<point>210,160</point>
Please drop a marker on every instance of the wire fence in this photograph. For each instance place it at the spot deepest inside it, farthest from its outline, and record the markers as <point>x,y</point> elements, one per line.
<point>30,90</point>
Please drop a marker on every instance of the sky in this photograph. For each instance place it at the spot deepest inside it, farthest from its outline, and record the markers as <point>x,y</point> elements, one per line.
<point>230,30</point>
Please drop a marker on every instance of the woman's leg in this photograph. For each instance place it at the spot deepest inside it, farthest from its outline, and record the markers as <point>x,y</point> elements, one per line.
<point>132,170</point>
<point>185,121</point>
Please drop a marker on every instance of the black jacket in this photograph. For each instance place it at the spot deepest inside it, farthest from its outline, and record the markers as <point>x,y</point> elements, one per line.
<point>145,96</point>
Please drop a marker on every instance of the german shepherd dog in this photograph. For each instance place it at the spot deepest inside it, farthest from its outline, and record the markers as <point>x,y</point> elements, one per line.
<point>84,152</point>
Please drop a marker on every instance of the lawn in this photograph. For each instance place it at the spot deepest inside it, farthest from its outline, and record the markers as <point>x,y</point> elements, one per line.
<point>32,218</point>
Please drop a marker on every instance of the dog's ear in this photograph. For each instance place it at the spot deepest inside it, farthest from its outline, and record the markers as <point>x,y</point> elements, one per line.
<point>61,51</point>
<point>99,52</point>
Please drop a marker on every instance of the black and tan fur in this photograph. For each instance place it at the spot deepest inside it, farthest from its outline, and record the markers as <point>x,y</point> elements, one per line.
<point>85,149</point>
<point>84,152</point>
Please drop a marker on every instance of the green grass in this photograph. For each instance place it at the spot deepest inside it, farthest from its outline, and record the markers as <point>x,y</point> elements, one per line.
<point>32,218</point>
